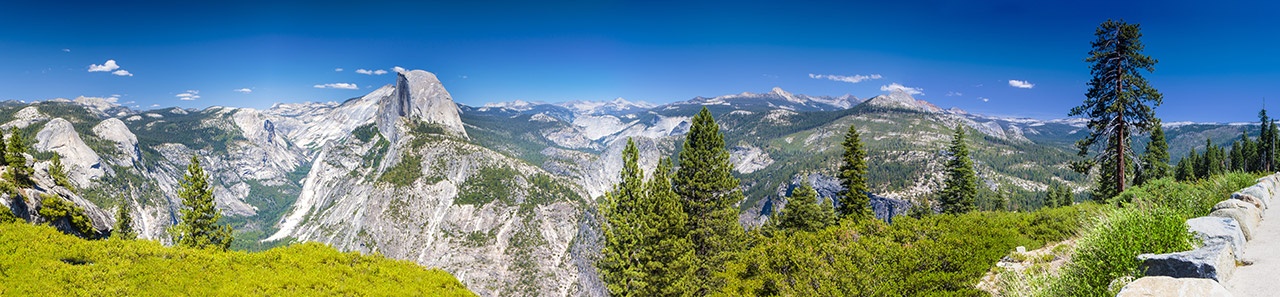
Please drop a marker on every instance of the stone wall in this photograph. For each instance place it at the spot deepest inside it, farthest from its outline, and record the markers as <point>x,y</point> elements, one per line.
<point>1223,232</point>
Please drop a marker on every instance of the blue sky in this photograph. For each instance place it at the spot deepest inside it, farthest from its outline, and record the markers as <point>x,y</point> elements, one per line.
<point>1217,60</point>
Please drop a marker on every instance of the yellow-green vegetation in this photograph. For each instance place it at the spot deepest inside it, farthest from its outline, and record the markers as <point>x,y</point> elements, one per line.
<point>40,261</point>
<point>943,254</point>
<point>55,210</point>
<point>1151,219</point>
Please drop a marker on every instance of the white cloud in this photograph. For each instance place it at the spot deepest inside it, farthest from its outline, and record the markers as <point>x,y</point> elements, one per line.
<point>371,72</point>
<point>155,105</point>
<point>954,94</point>
<point>345,86</point>
<point>857,78</point>
<point>66,50</point>
<point>189,95</point>
<point>244,90</point>
<point>110,65</point>
<point>1021,84</point>
<point>397,69</point>
<point>895,87</point>
<point>122,72</point>
<point>984,99</point>
<point>337,69</point>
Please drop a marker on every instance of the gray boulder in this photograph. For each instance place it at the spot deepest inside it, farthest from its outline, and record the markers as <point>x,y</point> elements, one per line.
<point>1212,261</point>
<point>1248,220</point>
<point>1258,191</point>
<point>1257,202</point>
<point>1215,230</point>
<point>1167,286</point>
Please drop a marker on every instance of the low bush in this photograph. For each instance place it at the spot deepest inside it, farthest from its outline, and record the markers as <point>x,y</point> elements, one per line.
<point>1109,249</point>
<point>39,261</point>
<point>934,255</point>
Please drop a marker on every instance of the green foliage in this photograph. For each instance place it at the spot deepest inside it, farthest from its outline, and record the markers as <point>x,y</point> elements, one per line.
<point>6,215</point>
<point>124,223</point>
<point>198,226</point>
<point>1189,199</point>
<point>19,171</point>
<point>366,132</point>
<point>1109,249</point>
<point>803,214</point>
<point>708,191</point>
<point>1155,161</point>
<point>59,173</point>
<point>40,262</point>
<point>938,255</point>
<point>854,200</point>
<point>1119,101</point>
<point>646,252</point>
<point>960,189</point>
<point>64,214</point>
<point>1058,195</point>
<point>488,184</point>
<point>403,174</point>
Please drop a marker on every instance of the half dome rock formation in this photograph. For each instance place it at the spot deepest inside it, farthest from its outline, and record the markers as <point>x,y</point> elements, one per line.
<point>115,130</point>
<point>418,96</point>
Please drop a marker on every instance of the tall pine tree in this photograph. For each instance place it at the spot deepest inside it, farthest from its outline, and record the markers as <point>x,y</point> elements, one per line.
<point>1266,142</point>
<point>1119,102</point>
<point>668,254</point>
<point>199,226</point>
<point>805,212</point>
<point>708,192</point>
<point>960,191</point>
<point>1155,161</point>
<point>622,269</point>
<point>855,201</point>
<point>15,156</point>
<point>124,223</point>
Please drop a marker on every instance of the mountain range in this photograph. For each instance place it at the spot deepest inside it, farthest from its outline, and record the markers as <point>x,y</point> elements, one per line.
<point>503,195</point>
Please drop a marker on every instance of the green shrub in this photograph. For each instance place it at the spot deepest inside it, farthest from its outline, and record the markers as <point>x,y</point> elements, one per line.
<point>1188,199</point>
<point>405,173</point>
<point>1109,249</point>
<point>486,185</point>
<point>55,209</point>
<point>934,255</point>
<point>365,133</point>
<point>38,261</point>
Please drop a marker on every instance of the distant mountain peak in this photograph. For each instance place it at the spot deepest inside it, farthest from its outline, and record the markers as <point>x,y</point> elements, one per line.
<point>902,100</point>
<point>420,96</point>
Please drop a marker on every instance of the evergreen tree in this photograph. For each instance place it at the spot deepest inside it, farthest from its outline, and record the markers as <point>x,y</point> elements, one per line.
<point>1059,195</point>
<point>1266,142</point>
<point>622,269</point>
<point>854,200</point>
<point>1104,187</point>
<point>1119,101</point>
<point>19,171</point>
<point>59,173</point>
<point>1248,154</point>
<point>667,252</point>
<point>961,187</point>
<point>124,222</point>
<point>1187,167</point>
<point>1155,161</point>
<point>804,212</point>
<point>199,226</point>
<point>708,192</point>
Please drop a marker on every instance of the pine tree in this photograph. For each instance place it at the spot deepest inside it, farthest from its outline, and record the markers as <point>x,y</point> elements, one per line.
<point>854,200</point>
<point>622,271</point>
<point>804,213</point>
<point>1058,196</point>
<point>59,173</point>
<point>1155,161</point>
<point>19,171</point>
<point>708,192</point>
<point>1187,166</point>
<point>199,226</point>
<point>1248,154</point>
<point>124,222</point>
<point>667,250</point>
<point>1119,101</point>
<point>1266,142</point>
<point>961,187</point>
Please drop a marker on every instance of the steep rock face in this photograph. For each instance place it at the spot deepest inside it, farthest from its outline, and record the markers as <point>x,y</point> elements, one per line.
<point>492,221</point>
<point>83,164</point>
<point>114,129</point>
<point>419,96</point>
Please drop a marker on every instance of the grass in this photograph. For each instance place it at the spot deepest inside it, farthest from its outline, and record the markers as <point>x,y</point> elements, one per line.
<point>1151,219</point>
<point>40,261</point>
